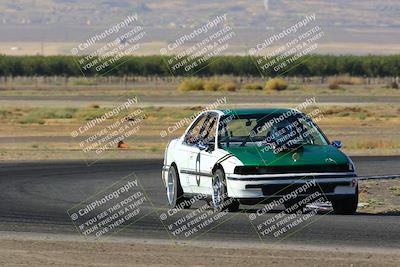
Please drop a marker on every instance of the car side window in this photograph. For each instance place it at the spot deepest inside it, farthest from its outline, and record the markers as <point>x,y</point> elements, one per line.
<point>193,136</point>
<point>208,135</point>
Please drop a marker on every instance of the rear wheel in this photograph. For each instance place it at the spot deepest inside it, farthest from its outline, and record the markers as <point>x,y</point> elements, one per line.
<point>220,199</point>
<point>174,189</point>
<point>346,205</point>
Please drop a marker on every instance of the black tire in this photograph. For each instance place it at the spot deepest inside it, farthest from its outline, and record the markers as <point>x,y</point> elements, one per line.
<point>220,201</point>
<point>174,189</point>
<point>346,205</point>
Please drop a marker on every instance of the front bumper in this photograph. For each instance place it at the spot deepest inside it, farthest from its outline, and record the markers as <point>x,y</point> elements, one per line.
<point>330,185</point>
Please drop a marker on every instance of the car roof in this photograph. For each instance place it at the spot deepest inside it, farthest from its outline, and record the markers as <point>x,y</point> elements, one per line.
<point>248,111</point>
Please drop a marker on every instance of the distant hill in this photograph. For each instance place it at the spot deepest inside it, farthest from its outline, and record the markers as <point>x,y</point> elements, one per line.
<point>72,20</point>
<point>186,13</point>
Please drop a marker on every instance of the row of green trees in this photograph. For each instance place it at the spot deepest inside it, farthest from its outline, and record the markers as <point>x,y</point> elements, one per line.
<point>311,65</point>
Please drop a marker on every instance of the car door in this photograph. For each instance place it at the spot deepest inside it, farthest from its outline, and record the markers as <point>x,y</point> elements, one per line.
<point>208,157</point>
<point>189,155</point>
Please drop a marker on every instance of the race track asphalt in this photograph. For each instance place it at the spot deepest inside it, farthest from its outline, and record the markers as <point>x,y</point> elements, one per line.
<point>35,197</point>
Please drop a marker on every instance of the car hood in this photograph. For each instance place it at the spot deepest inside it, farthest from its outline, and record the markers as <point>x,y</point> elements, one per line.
<point>307,155</point>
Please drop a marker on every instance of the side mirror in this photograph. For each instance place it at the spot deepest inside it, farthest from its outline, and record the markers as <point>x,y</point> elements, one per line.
<point>210,148</point>
<point>337,144</point>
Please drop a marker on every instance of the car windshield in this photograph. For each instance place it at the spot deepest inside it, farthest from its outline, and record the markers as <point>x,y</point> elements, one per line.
<point>272,130</point>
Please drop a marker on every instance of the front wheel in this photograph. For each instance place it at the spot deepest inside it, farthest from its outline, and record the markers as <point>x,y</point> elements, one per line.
<point>174,190</point>
<point>293,206</point>
<point>220,199</point>
<point>346,205</point>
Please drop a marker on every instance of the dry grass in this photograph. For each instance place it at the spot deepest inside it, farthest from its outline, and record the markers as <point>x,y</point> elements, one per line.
<point>346,80</point>
<point>369,129</point>
<point>253,86</point>
<point>373,144</point>
<point>276,84</point>
<point>376,134</point>
<point>380,196</point>
<point>211,85</point>
<point>354,112</point>
<point>192,84</point>
<point>196,84</point>
<point>168,87</point>
<point>334,85</point>
<point>228,86</point>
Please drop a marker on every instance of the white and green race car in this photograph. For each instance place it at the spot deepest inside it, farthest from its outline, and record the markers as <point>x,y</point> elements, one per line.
<point>250,156</point>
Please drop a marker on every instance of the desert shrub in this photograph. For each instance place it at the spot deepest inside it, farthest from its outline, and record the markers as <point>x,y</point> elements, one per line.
<point>31,118</point>
<point>211,85</point>
<point>341,79</point>
<point>94,106</point>
<point>277,84</point>
<point>346,80</point>
<point>38,115</point>
<point>228,86</point>
<point>333,85</point>
<point>253,86</point>
<point>90,114</point>
<point>357,80</point>
<point>4,113</point>
<point>65,113</point>
<point>191,84</point>
<point>374,144</point>
<point>354,112</point>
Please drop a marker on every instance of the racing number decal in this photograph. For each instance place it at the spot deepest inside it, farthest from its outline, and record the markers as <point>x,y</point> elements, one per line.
<point>198,169</point>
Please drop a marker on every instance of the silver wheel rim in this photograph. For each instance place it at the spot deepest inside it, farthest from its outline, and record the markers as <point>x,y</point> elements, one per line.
<point>171,187</point>
<point>217,191</point>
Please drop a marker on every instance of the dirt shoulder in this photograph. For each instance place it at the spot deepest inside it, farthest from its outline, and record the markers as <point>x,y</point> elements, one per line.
<point>61,251</point>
